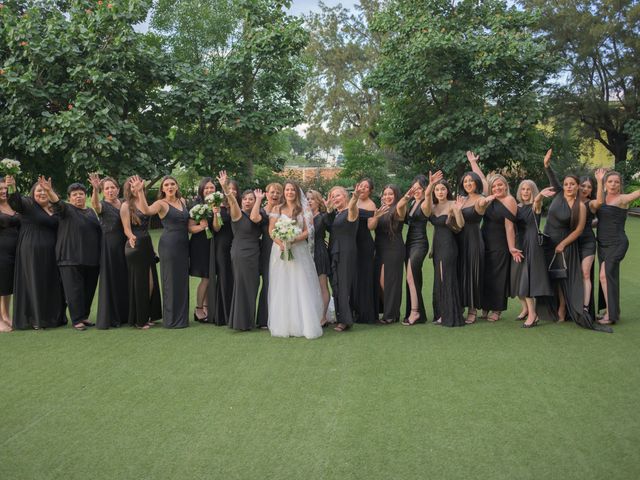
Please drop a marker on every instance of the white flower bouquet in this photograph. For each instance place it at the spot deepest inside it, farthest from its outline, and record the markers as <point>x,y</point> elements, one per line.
<point>201,212</point>
<point>215,199</point>
<point>9,167</point>
<point>286,230</point>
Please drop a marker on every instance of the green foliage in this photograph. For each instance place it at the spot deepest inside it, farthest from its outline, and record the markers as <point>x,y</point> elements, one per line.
<point>460,76</point>
<point>363,160</point>
<point>600,44</point>
<point>78,89</point>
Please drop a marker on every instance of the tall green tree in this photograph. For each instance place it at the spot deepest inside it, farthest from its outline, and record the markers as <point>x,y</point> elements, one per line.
<point>460,75</point>
<point>79,89</point>
<point>600,82</point>
<point>237,82</point>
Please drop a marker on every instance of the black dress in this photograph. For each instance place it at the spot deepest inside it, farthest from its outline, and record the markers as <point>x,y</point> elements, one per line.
<point>558,227</point>
<point>38,294</point>
<point>497,267</point>
<point>9,231</point>
<point>447,304</point>
<point>612,247</point>
<point>417,247</point>
<point>529,278</point>
<point>220,289</point>
<point>364,297</point>
<point>173,248</point>
<point>343,251</point>
<point>199,252</point>
<point>471,259</point>
<point>245,259</point>
<point>113,294</point>
<point>265,254</point>
<point>390,254</point>
<point>144,305</point>
<point>321,223</point>
<point>587,247</point>
<point>78,256</point>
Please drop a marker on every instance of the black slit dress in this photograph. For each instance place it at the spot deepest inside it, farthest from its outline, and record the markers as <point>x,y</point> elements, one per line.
<point>390,253</point>
<point>173,248</point>
<point>265,254</point>
<point>612,247</point>
<point>9,231</point>
<point>144,306</point>
<point>471,259</point>
<point>38,295</point>
<point>113,296</point>
<point>245,259</point>
<point>220,289</point>
<point>417,247</point>
<point>342,249</point>
<point>558,227</point>
<point>364,297</point>
<point>497,266</point>
<point>587,247</point>
<point>447,304</point>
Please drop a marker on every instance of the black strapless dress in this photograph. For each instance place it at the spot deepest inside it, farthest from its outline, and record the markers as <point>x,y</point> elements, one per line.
<point>364,298</point>
<point>471,260</point>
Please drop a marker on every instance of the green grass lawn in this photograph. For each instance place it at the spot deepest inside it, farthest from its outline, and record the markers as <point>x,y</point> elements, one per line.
<point>390,402</point>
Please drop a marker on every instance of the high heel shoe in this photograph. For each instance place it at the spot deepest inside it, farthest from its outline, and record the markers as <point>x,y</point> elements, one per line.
<point>531,325</point>
<point>198,319</point>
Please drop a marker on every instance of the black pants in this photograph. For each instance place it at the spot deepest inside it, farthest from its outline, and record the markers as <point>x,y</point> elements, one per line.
<point>79,283</point>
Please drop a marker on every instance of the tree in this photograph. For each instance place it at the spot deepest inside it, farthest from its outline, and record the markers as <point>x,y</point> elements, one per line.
<point>342,51</point>
<point>236,85</point>
<point>79,89</point>
<point>600,84</point>
<point>460,75</point>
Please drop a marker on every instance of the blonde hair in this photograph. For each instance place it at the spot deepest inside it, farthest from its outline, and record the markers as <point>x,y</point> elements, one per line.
<point>275,185</point>
<point>319,200</point>
<point>493,178</point>
<point>532,186</point>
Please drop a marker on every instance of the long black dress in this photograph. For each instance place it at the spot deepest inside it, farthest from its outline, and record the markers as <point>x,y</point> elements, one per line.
<point>447,304</point>
<point>9,231</point>
<point>529,278</point>
<point>497,267</point>
<point>144,305</point>
<point>364,297</point>
<point>245,259</point>
<point>113,294</point>
<point>173,248</point>
<point>38,294</point>
<point>390,254</point>
<point>471,259</point>
<point>558,227</point>
<point>343,249</point>
<point>587,247</point>
<point>265,254</point>
<point>417,247</point>
<point>321,223</point>
<point>220,289</point>
<point>199,252</point>
<point>612,247</point>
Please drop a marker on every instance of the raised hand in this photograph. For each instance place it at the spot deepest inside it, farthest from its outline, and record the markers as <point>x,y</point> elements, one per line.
<point>10,180</point>
<point>411,192</point>
<point>356,192</point>
<point>94,180</point>
<point>459,203</point>
<point>472,157</point>
<point>547,158</point>
<point>381,211</point>
<point>259,194</point>
<point>547,192</point>
<point>45,183</point>
<point>435,178</point>
<point>136,184</point>
<point>223,179</point>
<point>600,173</point>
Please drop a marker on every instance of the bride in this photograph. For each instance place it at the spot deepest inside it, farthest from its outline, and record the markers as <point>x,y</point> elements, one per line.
<point>295,301</point>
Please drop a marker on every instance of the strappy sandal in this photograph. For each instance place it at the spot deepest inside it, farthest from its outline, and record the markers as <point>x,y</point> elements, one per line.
<point>470,320</point>
<point>493,317</point>
<point>81,327</point>
<point>196,317</point>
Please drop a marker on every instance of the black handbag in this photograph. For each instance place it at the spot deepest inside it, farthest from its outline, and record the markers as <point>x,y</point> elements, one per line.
<point>541,236</point>
<point>555,272</point>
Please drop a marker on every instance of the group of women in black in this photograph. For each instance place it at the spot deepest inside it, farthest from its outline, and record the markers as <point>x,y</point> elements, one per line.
<point>487,246</point>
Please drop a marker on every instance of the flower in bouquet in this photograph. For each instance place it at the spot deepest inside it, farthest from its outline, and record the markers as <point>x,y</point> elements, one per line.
<point>9,167</point>
<point>215,199</point>
<point>286,230</point>
<point>201,212</point>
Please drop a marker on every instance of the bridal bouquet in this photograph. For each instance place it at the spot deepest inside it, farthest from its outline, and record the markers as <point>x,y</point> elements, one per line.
<point>286,230</point>
<point>215,199</point>
<point>201,212</point>
<point>9,167</point>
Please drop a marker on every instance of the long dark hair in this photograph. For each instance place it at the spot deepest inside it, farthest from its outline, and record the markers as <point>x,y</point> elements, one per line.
<point>393,218</point>
<point>161,194</point>
<point>449,192</point>
<point>589,178</point>
<point>476,179</point>
<point>575,210</point>
<point>201,185</point>
<point>131,202</point>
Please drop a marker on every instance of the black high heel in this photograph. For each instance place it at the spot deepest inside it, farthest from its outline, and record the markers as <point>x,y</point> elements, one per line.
<point>196,318</point>
<point>534,324</point>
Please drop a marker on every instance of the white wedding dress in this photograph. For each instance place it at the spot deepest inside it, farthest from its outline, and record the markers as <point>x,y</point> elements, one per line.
<point>295,301</point>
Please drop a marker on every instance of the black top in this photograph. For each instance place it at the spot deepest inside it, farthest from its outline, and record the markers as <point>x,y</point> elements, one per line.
<point>79,235</point>
<point>343,234</point>
<point>110,218</point>
<point>9,226</point>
